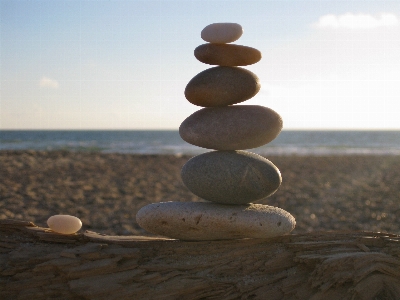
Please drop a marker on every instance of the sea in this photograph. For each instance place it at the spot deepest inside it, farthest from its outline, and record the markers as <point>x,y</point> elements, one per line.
<point>159,142</point>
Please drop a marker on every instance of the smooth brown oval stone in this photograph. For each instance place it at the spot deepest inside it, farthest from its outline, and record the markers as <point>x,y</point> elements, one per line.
<point>222,86</point>
<point>227,55</point>
<point>231,177</point>
<point>234,127</point>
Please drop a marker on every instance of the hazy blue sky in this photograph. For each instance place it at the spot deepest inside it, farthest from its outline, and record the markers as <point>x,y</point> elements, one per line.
<point>125,64</point>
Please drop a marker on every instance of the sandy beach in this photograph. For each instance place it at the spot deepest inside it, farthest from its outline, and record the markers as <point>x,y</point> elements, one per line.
<point>106,190</point>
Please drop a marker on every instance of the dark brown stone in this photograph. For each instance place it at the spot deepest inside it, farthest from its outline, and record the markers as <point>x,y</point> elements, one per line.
<point>227,54</point>
<point>222,86</point>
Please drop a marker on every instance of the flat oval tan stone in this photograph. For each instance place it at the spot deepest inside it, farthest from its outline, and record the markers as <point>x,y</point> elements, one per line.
<point>231,177</point>
<point>233,127</point>
<point>227,54</point>
<point>222,32</point>
<point>222,86</point>
<point>198,221</point>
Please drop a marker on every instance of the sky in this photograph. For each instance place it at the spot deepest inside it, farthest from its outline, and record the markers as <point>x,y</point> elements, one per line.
<point>78,64</point>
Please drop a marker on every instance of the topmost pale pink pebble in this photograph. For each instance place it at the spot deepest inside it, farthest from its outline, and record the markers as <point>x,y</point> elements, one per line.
<point>222,33</point>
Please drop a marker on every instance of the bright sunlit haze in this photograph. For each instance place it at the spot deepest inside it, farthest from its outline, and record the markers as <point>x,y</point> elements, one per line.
<point>125,64</point>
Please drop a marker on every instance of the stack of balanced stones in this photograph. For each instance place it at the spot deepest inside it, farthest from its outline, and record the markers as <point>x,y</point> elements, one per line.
<point>228,178</point>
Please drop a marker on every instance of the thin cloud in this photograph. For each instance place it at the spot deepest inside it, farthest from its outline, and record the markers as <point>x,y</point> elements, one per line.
<point>46,82</point>
<point>357,21</point>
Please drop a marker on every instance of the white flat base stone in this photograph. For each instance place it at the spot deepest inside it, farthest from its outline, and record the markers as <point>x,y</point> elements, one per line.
<point>197,221</point>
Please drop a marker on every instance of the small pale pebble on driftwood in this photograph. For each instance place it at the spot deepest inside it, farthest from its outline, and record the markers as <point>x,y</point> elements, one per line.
<point>64,224</point>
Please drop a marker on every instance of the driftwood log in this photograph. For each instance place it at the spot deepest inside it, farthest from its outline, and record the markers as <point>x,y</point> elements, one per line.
<point>36,263</point>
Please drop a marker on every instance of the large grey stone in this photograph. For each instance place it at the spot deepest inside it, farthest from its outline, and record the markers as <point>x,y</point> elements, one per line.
<point>221,86</point>
<point>212,221</point>
<point>233,127</point>
<point>231,177</point>
<point>227,54</point>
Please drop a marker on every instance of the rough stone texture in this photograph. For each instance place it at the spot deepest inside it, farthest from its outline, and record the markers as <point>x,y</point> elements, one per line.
<point>222,32</point>
<point>234,127</point>
<point>221,86</point>
<point>197,221</point>
<point>231,177</point>
<point>227,55</point>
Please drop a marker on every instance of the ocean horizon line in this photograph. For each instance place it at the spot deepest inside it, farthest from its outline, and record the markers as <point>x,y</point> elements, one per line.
<point>301,142</point>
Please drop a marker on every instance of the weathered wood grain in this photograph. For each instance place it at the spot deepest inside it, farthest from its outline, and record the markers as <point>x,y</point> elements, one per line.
<point>36,263</point>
